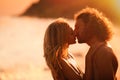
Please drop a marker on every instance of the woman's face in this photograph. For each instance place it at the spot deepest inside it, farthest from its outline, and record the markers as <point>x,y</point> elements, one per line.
<point>71,37</point>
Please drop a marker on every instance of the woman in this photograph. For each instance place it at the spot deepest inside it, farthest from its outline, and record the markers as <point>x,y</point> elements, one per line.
<point>57,39</point>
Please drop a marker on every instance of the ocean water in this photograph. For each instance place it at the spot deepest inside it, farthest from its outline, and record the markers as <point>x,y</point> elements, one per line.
<point>21,48</point>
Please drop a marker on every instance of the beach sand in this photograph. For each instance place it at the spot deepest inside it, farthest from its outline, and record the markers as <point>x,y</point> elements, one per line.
<point>21,49</point>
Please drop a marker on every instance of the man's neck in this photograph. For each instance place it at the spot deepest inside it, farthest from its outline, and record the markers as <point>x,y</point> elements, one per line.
<point>93,41</point>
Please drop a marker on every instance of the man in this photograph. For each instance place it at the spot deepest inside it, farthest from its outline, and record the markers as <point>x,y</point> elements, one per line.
<point>93,28</point>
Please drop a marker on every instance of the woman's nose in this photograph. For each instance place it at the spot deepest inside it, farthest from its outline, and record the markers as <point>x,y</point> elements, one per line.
<point>75,32</point>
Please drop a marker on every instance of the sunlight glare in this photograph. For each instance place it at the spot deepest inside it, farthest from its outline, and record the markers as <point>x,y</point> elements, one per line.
<point>117,3</point>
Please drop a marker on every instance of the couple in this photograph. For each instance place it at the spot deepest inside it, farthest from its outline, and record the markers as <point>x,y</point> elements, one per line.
<point>91,27</point>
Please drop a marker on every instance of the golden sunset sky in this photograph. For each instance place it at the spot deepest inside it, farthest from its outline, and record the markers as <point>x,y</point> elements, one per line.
<point>14,7</point>
<point>17,7</point>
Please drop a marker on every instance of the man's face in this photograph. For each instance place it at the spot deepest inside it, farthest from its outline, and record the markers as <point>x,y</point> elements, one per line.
<point>79,31</point>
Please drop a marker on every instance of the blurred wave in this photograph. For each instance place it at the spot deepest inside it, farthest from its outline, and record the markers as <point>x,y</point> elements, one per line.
<point>21,48</point>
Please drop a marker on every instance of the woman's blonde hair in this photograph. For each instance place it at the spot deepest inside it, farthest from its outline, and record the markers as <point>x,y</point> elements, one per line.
<point>55,40</point>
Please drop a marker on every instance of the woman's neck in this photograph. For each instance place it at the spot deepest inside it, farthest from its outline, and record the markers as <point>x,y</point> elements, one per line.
<point>64,53</point>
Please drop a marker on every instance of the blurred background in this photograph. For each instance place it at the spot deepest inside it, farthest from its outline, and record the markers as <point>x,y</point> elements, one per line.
<point>22,27</point>
<point>58,8</point>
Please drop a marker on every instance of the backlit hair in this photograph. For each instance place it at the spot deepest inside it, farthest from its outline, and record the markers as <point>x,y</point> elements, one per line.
<point>96,23</point>
<point>55,40</point>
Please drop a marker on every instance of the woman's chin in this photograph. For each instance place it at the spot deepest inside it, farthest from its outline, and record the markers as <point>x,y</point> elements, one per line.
<point>72,43</point>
